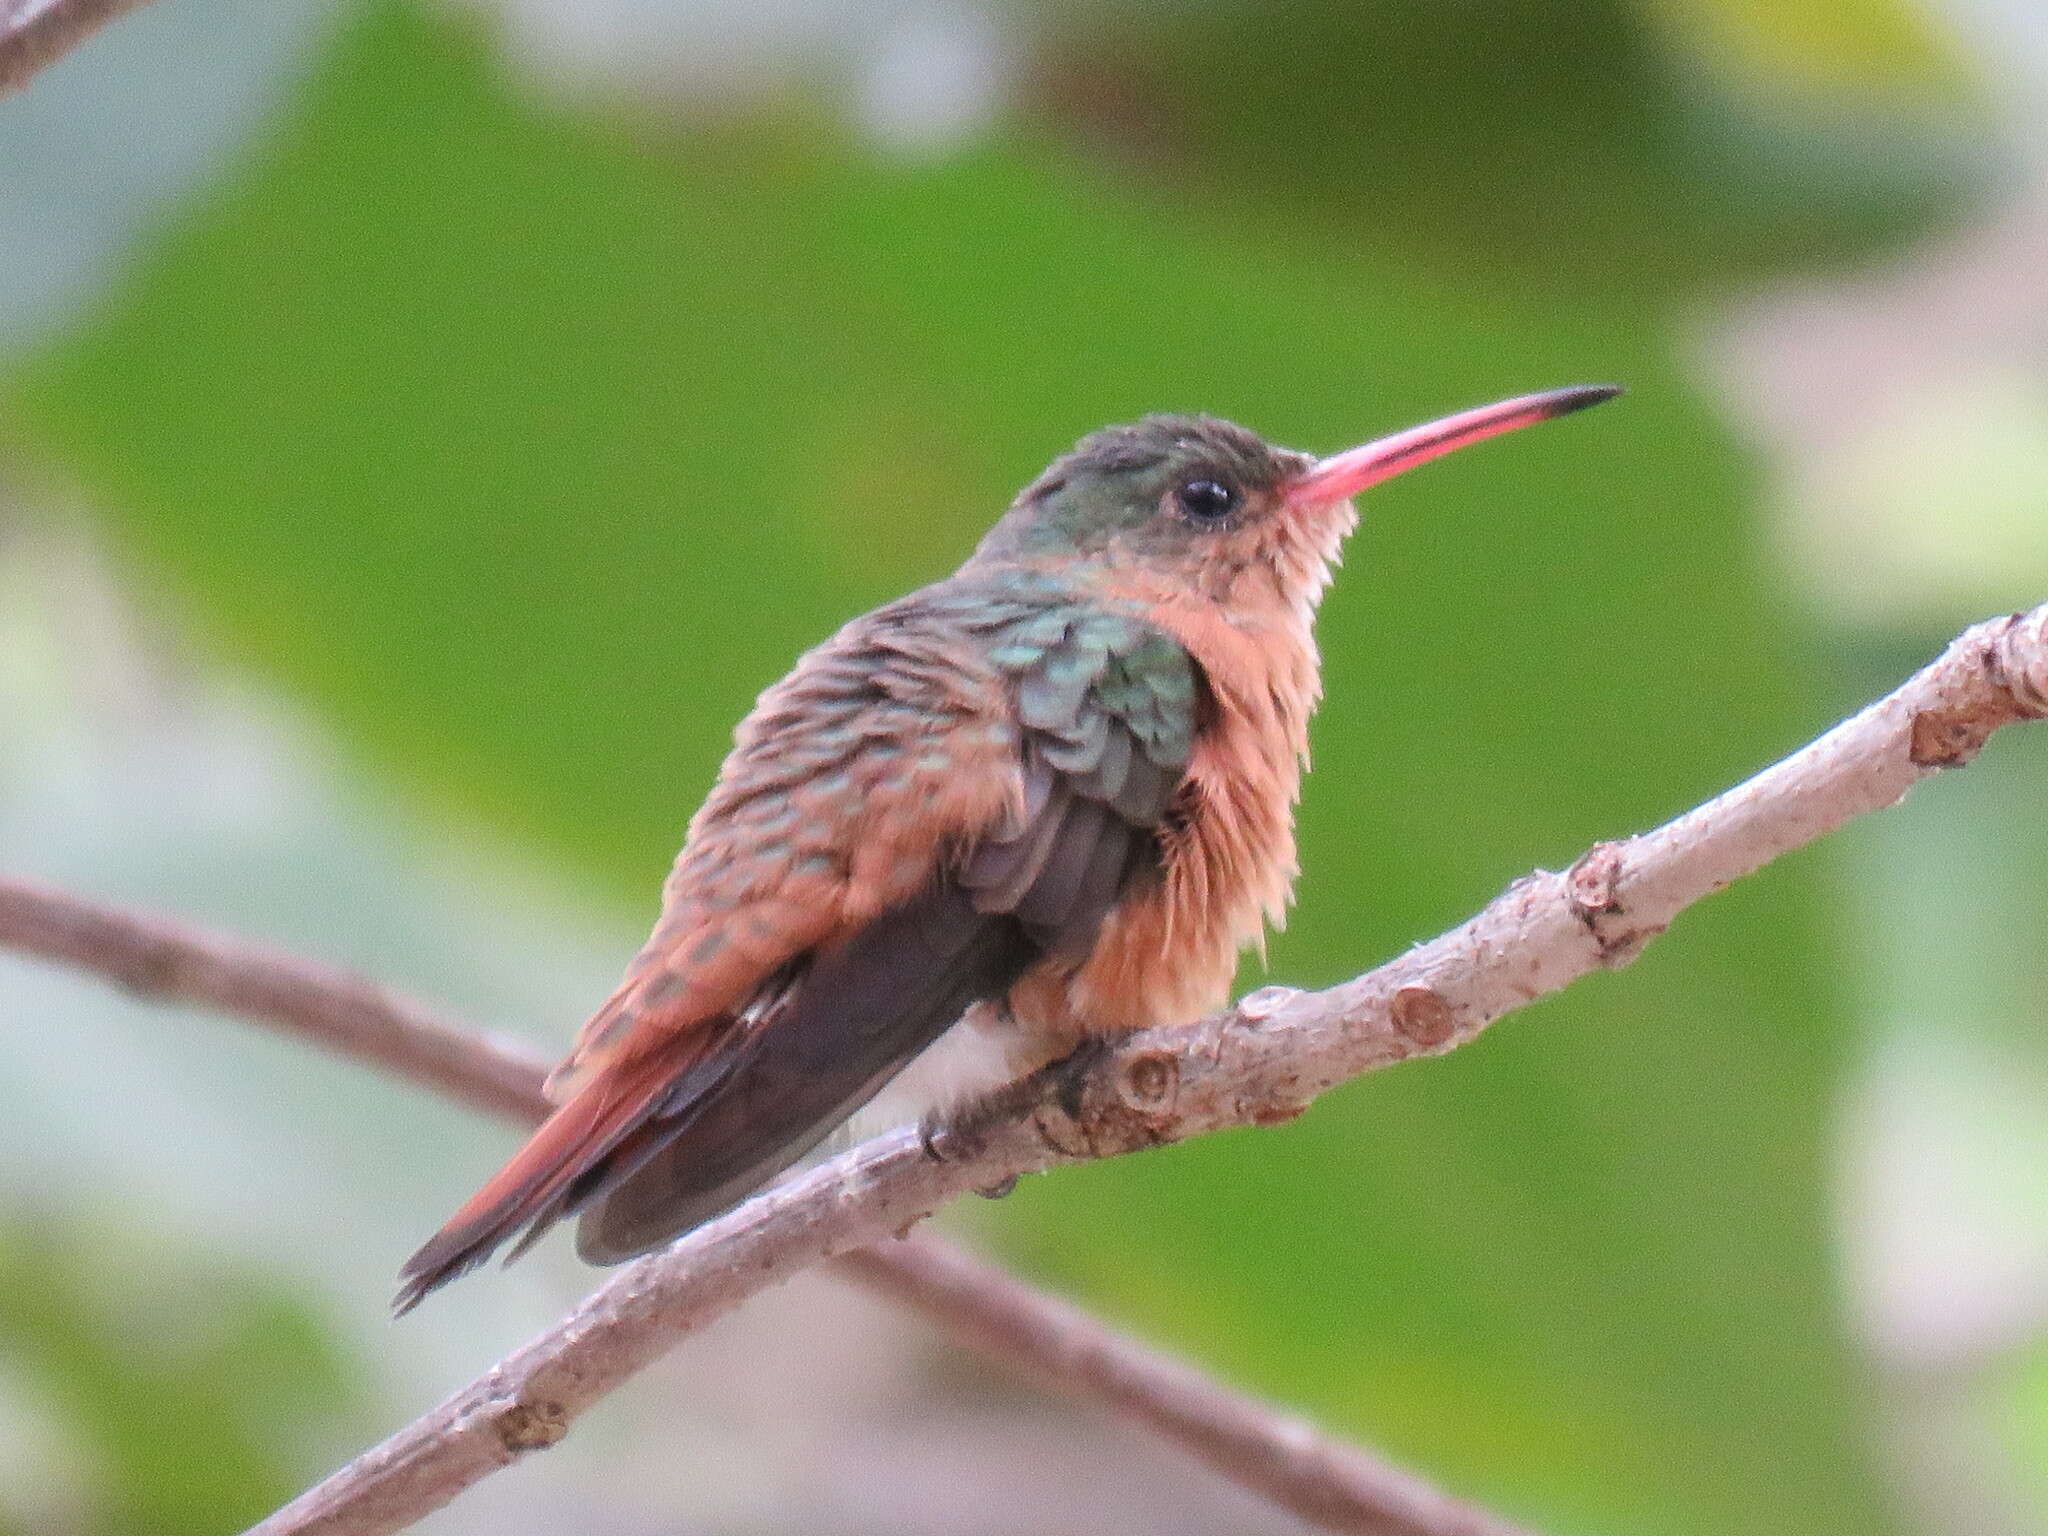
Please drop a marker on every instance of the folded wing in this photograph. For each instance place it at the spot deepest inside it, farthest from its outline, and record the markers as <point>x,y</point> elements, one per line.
<point>953,790</point>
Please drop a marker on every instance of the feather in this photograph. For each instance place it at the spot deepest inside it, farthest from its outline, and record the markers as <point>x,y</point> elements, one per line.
<point>952,794</point>
<point>854,1020</point>
<point>573,1140</point>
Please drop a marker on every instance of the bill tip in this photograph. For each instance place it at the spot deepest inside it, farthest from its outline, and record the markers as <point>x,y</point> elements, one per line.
<point>1579,397</point>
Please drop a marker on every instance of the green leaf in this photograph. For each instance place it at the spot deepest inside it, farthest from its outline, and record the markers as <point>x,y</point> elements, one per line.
<point>1835,46</point>
<point>1569,149</point>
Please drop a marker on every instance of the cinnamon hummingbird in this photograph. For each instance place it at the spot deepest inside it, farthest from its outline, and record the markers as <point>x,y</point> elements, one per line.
<point>1048,797</point>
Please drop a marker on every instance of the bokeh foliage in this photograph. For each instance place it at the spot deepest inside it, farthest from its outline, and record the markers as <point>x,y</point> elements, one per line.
<point>527,442</point>
<point>189,1393</point>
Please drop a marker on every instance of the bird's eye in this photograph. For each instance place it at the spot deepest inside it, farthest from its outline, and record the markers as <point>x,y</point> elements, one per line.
<point>1206,501</point>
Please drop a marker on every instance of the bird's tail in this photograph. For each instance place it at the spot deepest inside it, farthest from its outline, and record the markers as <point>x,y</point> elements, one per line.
<point>547,1178</point>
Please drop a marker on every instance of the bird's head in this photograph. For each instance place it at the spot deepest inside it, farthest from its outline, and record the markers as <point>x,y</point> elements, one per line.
<point>1199,500</point>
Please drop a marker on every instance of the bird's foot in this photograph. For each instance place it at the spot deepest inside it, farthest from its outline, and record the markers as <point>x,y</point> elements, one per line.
<point>955,1140</point>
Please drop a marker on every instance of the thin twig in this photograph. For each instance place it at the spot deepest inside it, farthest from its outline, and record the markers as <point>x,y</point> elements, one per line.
<point>35,34</point>
<point>1335,1484</point>
<point>169,962</point>
<point>1340,1487</point>
<point>1163,1085</point>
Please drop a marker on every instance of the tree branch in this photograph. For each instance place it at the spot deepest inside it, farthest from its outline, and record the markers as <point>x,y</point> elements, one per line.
<point>1256,1444</point>
<point>35,34</point>
<point>1255,1066</point>
<point>169,962</point>
<point>1337,1486</point>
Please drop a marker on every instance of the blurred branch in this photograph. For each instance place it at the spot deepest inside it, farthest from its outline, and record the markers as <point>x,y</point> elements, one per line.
<point>167,962</point>
<point>1251,1442</point>
<point>1258,1064</point>
<point>35,34</point>
<point>1337,1486</point>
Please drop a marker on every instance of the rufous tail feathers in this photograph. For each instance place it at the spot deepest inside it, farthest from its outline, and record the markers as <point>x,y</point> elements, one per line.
<point>540,1183</point>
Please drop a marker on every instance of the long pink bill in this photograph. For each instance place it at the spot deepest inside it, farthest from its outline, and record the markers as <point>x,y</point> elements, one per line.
<point>1344,475</point>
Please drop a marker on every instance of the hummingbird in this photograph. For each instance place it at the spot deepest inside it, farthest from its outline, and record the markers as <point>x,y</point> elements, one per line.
<point>1048,798</point>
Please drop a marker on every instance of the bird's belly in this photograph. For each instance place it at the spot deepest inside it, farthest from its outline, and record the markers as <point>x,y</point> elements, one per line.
<point>1169,952</point>
<point>985,1051</point>
<point>1152,966</point>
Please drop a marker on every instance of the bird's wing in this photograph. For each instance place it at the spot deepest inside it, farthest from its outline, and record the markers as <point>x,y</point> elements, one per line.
<point>1103,709</point>
<point>950,789</point>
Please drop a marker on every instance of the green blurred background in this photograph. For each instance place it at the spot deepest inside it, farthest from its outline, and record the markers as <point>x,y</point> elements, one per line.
<point>424,429</point>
